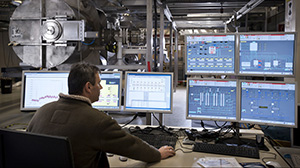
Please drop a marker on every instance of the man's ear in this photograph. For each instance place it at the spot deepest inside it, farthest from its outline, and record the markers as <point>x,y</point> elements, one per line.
<point>87,87</point>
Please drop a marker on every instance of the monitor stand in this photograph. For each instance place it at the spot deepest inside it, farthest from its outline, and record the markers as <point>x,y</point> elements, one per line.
<point>240,141</point>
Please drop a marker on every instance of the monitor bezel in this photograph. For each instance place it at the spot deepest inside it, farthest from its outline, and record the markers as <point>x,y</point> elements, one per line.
<point>264,123</point>
<point>211,119</point>
<point>120,91</point>
<point>264,74</point>
<point>152,110</point>
<point>212,72</point>
<point>22,103</point>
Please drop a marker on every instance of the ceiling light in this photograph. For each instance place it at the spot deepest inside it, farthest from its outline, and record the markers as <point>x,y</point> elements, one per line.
<point>208,14</point>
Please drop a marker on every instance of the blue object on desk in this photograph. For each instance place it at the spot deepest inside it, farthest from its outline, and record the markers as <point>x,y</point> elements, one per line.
<point>288,156</point>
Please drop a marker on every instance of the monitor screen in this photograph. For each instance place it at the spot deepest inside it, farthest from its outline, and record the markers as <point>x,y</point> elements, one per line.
<point>149,92</point>
<point>266,54</point>
<point>209,99</point>
<point>210,54</point>
<point>268,103</point>
<point>110,94</point>
<point>41,87</point>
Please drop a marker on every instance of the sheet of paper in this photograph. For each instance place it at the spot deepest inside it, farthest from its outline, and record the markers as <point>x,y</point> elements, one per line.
<point>208,162</point>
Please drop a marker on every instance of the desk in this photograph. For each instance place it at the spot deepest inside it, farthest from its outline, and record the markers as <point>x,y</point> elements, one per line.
<point>190,159</point>
<point>285,151</point>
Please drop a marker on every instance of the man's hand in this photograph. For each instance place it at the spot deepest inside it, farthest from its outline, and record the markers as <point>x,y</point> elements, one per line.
<point>166,151</point>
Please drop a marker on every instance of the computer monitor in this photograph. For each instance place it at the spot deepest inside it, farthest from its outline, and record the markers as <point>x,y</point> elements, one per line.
<point>25,149</point>
<point>210,54</point>
<point>211,99</point>
<point>110,95</point>
<point>41,87</point>
<point>267,54</point>
<point>269,103</point>
<point>149,92</point>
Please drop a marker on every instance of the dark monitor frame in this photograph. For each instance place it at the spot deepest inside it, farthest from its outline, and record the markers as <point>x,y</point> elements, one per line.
<point>261,122</point>
<point>22,103</point>
<point>149,110</point>
<point>207,118</point>
<point>119,92</point>
<point>25,149</point>
<point>295,134</point>
<point>212,72</point>
<point>267,74</point>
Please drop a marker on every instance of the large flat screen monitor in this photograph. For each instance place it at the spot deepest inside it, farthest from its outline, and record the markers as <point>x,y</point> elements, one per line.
<point>110,95</point>
<point>267,54</point>
<point>209,99</point>
<point>41,87</point>
<point>269,103</point>
<point>149,92</point>
<point>210,54</point>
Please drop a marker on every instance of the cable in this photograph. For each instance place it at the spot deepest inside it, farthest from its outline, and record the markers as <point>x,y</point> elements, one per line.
<point>263,159</point>
<point>220,126</point>
<point>134,117</point>
<point>202,125</point>
<point>160,124</point>
<point>183,150</point>
<point>92,42</point>
<point>183,146</point>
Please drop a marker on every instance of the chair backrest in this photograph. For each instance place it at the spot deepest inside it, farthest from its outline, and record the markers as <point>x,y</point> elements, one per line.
<point>24,149</point>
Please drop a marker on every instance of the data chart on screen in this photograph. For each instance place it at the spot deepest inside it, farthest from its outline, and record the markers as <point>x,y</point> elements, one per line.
<point>211,99</point>
<point>268,103</point>
<point>40,88</point>
<point>267,54</point>
<point>210,54</point>
<point>110,94</point>
<point>149,92</point>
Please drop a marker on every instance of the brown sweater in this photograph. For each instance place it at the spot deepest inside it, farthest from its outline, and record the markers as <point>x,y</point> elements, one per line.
<point>91,132</point>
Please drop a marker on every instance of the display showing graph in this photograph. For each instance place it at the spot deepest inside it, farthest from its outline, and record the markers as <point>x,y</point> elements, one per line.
<point>43,87</point>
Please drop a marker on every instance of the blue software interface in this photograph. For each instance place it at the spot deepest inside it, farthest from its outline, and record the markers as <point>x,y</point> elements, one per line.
<point>148,92</point>
<point>267,54</point>
<point>272,103</point>
<point>110,94</point>
<point>210,53</point>
<point>41,87</point>
<point>212,99</point>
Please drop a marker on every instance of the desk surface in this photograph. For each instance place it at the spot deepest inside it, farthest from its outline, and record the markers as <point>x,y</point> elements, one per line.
<point>190,159</point>
<point>286,153</point>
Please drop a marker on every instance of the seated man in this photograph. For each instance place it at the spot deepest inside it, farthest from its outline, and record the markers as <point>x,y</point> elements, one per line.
<point>91,132</point>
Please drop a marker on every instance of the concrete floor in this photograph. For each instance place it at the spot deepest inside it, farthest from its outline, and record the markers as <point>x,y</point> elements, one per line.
<point>12,117</point>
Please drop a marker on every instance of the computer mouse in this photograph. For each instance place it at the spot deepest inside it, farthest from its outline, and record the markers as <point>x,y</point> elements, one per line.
<point>272,164</point>
<point>123,159</point>
<point>109,154</point>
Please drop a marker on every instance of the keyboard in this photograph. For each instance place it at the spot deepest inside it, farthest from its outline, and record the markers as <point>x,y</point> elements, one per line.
<point>157,140</point>
<point>227,150</point>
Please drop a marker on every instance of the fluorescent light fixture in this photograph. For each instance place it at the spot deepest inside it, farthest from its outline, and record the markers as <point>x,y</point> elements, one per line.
<point>208,15</point>
<point>199,24</point>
